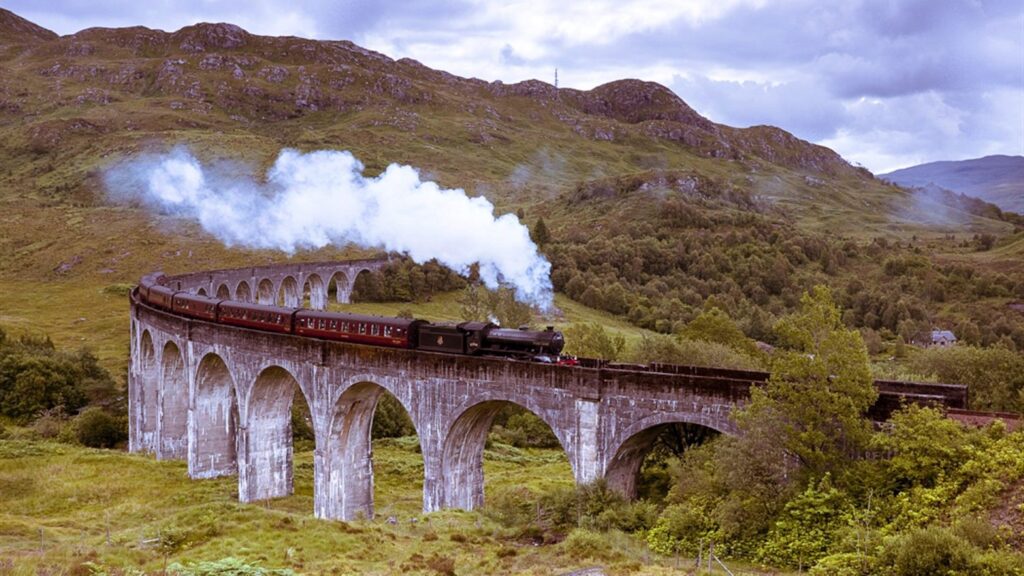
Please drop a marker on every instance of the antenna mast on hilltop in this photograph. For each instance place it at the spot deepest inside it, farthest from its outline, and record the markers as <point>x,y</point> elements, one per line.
<point>556,78</point>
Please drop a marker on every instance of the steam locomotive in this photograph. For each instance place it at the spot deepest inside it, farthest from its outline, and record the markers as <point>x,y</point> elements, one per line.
<point>474,338</point>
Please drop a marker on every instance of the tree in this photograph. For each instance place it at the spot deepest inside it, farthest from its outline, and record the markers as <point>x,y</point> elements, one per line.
<point>540,232</point>
<point>479,303</point>
<point>592,340</point>
<point>924,446</point>
<point>820,389</point>
<point>473,302</point>
<point>994,376</point>
<point>507,310</point>
<point>714,325</point>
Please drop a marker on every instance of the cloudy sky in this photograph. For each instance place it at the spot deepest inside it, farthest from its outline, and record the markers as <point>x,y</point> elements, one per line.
<point>887,83</point>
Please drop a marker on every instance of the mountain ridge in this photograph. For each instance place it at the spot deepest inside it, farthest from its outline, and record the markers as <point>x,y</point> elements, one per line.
<point>997,178</point>
<point>319,76</point>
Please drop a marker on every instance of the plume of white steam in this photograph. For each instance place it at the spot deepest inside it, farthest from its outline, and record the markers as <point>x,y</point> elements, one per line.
<point>314,199</point>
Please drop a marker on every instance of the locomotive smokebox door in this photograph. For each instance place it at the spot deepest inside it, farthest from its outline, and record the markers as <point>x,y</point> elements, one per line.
<point>442,339</point>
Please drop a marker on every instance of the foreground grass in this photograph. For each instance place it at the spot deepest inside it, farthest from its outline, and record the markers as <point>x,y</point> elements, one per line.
<point>69,510</point>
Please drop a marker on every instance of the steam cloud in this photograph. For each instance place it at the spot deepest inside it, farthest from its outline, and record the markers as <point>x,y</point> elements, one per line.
<point>319,198</point>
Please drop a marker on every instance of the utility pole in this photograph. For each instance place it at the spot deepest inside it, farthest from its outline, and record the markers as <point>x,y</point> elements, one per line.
<point>556,78</point>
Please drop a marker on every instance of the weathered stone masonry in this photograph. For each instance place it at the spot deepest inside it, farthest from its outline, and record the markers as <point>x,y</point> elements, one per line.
<point>220,397</point>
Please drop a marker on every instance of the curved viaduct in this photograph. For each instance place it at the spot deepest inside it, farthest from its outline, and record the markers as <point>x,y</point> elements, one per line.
<point>220,397</point>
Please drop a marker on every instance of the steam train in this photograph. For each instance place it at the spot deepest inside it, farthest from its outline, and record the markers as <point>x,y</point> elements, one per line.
<point>474,338</point>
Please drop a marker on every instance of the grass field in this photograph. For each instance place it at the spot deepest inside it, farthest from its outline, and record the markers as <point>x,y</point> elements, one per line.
<point>69,510</point>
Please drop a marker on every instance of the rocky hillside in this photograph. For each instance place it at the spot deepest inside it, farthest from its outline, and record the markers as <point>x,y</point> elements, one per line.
<point>100,82</point>
<point>995,179</point>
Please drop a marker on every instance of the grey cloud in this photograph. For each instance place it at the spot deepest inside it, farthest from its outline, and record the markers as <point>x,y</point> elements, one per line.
<point>509,56</point>
<point>803,108</point>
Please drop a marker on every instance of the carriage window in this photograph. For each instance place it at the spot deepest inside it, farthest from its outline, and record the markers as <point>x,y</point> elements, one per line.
<point>374,329</point>
<point>334,324</point>
<point>362,328</point>
<point>387,331</point>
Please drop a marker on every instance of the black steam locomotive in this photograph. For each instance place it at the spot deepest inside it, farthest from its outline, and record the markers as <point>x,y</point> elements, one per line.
<point>481,338</point>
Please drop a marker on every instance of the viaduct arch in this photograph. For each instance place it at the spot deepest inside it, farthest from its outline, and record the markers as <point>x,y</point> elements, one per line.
<point>220,396</point>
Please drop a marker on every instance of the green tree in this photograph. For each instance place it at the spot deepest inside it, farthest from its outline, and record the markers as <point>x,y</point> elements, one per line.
<point>31,382</point>
<point>541,235</point>
<point>509,312</point>
<point>807,527</point>
<point>390,420</point>
<point>815,402</point>
<point>924,446</point>
<point>473,303</point>
<point>714,325</point>
<point>995,376</point>
<point>593,341</point>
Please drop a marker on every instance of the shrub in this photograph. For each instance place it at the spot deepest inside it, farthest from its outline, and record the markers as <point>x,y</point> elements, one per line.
<point>807,526</point>
<point>927,552</point>
<point>443,565</point>
<point>1000,563</point>
<point>524,429</point>
<point>50,423</point>
<point>97,428</point>
<point>302,422</point>
<point>391,420</point>
<point>680,528</point>
<point>583,543</point>
<point>844,564</point>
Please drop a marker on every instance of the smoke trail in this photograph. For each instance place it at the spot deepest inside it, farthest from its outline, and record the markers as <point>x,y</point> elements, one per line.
<point>319,198</point>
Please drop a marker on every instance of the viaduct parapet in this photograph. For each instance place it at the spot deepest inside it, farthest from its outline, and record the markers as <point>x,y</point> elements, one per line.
<point>220,397</point>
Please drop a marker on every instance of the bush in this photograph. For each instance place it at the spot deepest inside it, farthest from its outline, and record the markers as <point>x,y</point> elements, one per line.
<point>36,377</point>
<point>391,420</point>
<point>97,428</point>
<point>50,423</point>
<point>1000,563</point>
<point>583,543</point>
<point>927,552</point>
<point>807,527</point>
<point>524,429</point>
<point>844,564</point>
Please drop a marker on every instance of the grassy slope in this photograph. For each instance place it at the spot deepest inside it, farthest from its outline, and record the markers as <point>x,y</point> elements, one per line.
<point>62,506</point>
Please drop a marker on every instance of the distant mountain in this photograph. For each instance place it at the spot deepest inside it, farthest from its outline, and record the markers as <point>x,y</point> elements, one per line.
<point>995,179</point>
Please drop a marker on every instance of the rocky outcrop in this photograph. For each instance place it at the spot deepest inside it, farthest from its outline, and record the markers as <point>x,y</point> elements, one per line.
<point>221,68</point>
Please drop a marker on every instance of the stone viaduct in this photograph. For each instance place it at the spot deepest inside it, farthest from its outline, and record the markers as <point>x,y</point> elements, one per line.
<point>220,397</point>
<point>291,285</point>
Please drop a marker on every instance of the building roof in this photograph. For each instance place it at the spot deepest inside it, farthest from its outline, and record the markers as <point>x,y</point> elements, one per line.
<point>947,335</point>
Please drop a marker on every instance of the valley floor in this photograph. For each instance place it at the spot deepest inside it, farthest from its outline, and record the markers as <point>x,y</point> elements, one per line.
<point>71,510</point>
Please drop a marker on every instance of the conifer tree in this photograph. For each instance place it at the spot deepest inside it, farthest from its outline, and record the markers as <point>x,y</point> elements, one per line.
<point>540,232</point>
